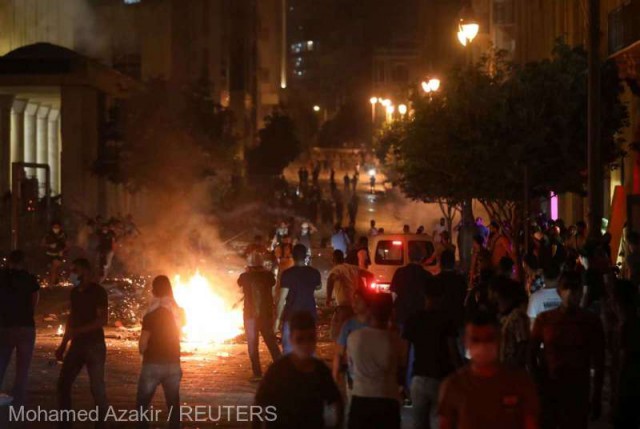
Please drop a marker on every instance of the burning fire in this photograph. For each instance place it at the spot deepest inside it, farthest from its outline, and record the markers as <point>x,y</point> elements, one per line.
<point>210,318</point>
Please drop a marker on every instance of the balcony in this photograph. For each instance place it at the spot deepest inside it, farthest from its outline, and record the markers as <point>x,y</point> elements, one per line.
<point>623,26</point>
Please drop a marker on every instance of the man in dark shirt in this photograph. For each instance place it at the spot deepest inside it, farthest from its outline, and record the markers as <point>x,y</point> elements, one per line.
<point>485,394</point>
<point>408,286</point>
<point>18,298</point>
<point>432,333</point>
<point>257,284</point>
<point>159,346</point>
<point>573,341</point>
<point>298,387</point>
<point>84,329</point>
<point>298,286</point>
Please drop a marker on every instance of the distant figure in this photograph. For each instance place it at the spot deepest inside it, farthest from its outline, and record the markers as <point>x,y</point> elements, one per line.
<point>55,244</point>
<point>499,245</point>
<point>406,229</point>
<point>339,240</point>
<point>373,231</point>
<point>440,227</point>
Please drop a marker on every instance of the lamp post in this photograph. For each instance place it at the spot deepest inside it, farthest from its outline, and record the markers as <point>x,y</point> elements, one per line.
<point>373,101</point>
<point>468,29</point>
<point>402,109</point>
<point>431,85</point>
<point>390,111</point>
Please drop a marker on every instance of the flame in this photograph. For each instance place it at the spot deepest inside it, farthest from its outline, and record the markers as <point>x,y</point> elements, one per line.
<point>209,317</point>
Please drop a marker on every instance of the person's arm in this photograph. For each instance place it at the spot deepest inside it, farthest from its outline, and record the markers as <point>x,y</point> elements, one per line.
<point>534,356</point>
<point>318,280</point>
<point>66,337</point>
<point>338,359</point>
<point>281,303</point>
<point>330,284</point>
<point>143,343</point>
<point>597,358</point>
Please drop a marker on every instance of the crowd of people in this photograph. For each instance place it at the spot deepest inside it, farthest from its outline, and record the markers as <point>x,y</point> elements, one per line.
<point>99,240</point>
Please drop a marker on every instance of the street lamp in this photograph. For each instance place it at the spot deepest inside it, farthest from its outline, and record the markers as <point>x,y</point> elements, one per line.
<point>431,85</point>
<point>373,101</point>
<point>468,27</point>
<point>316,108</point>
<point>390,110</point>
<point>402,109</point>
<point>385,102</point>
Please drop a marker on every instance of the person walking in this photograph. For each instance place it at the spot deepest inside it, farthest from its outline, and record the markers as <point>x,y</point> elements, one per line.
<point>339,240</point>
<point>299,284</point>
<point>432,333</point>
<point>485,394</point>
<point>375,359</point>
<point>55,244</point>
<point>298,387</point>
<point>84,330</point>
<point>343,281</point>
<point>257,287</point>
<point>567,344</point>
<point>159,346</point>
<point>18,299</point>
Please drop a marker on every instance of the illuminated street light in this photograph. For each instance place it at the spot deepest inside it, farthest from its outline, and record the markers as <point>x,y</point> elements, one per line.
<point>402,109</point>
<point>316,108</point>
<point>373,100</point>
<point>432,85</point>
<point>390,109</point>
<point>468,27</point>
<point>385,102</point>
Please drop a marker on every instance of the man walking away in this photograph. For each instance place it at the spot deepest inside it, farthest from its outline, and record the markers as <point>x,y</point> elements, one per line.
<point>343,281</point>
<point>84,329</point>
<point>18,299</point>
<point>374,356</point>
<point>298,387</point>
<point>297,290</point>
<point>566,345</point>
<point>484,394</point>
<point>257,284</point>
<point>433,334</point>
<point>159,346</point>
<point>546,298</point>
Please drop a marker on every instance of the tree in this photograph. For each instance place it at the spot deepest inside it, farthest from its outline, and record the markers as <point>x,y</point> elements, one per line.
<point>278,146</point>
<point>475,137</point>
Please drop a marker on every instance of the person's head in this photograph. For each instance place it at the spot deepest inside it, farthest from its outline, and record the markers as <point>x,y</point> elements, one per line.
<point>505,266</point>
<point>406,229</point>
<point>81,270</point>
<point>337,228</point>
<point>442,221</point>
<point>581,227</point>
<point>494,227</point>
<point>479,221</point>
<point>551,274</point>
<point>570,289</point>
<point>420,230</point>
<point>338,257</point>
<point>302,334</point>
<point>161,287</point>
<point>447,260</point>
<point>16,260</point>
<point>360,302</point>
<point>625,299</point>
<point>305,228</point>
<point>380,230</point>
<point>299,254</point>
<point>56,227</point>
<point>572,231</point>
<point>505,294</point>
<point>445,237</point>
<point>482,339</point>
<point>372,223</point>
<point>416,254</point>
<point>478,242</point>
<point>255,260</point>
<point>380,307</point>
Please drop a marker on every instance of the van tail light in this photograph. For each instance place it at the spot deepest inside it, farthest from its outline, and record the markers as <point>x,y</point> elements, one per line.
<point>397,243</point>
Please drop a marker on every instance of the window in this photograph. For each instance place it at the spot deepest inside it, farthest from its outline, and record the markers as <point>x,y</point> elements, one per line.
<point>390,252</point>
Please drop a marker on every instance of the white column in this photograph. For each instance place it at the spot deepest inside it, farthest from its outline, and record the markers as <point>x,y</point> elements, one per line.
<point>53,149</point>
<point>42,144</point>
<point>6,102</point>
<point>30,136</point>
<point>17,131</point>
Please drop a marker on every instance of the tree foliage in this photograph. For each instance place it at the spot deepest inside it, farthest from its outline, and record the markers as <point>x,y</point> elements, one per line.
<point>474,138</point>
<point>278,146</point>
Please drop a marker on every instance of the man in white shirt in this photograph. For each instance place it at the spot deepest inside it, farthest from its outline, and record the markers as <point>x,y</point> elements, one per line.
<point>375,355</point>
<point>546,298</point>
